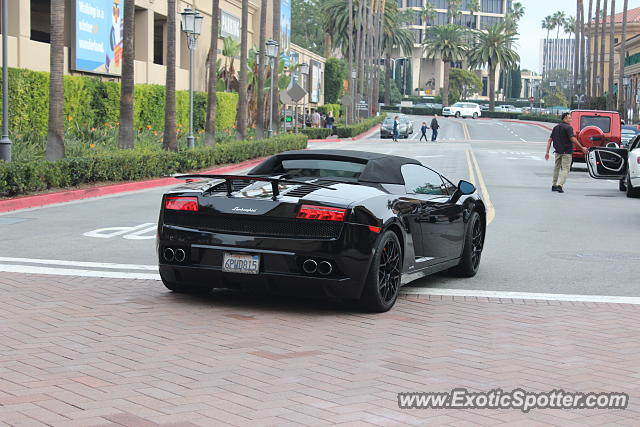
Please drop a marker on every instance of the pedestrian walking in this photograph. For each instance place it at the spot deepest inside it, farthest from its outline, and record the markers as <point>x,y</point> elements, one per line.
<point>434,128</point>
<point>563,138</point>
<point>315,119</point>
<point>396,128</point>
<point>330,120</point>
<point>423,130</point>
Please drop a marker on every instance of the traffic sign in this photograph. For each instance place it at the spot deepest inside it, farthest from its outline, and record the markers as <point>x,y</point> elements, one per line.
<point>532,99</point>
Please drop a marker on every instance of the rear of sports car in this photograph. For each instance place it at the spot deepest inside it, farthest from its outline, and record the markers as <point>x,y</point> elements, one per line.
<point>308,238</point>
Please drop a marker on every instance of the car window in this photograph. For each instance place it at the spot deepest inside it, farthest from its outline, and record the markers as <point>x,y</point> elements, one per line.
<point>604,123</point>
<point>322,168</point>
<point>421,180</point>
<point>635,144</point>
<point>459,105</point>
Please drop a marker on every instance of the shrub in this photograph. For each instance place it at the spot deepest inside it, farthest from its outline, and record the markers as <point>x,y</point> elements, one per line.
<point>349,131</point>
<point>92,102</point>
<point>335,72</point>
<point>124,165</point>
<point>334,108</point>
<point>316,133</point>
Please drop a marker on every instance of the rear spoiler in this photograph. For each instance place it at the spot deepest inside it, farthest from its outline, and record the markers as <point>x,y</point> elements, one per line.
<point>274,182</point>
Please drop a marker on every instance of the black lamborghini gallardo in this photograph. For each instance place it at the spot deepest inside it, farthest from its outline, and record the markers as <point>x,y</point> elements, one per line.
<point>349,224</point>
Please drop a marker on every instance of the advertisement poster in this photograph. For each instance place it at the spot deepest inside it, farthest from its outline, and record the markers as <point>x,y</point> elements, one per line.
<point>316,82</point>
<point>98,36</point>
<point>285,34</point>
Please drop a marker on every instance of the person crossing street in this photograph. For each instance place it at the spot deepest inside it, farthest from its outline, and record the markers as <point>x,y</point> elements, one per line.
<point>434,128</point>
<point>563,138</point>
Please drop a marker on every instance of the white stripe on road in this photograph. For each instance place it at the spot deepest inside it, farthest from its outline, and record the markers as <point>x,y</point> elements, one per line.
<point>520,295</point>
<point>81,264</point>
<point>30,269</point>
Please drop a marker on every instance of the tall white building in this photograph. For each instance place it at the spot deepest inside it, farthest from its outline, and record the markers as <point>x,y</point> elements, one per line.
<point>557,54</point>
<point>427,74</point>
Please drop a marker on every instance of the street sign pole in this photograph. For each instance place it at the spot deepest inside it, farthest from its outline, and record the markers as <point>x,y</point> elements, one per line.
<point>5,142</point>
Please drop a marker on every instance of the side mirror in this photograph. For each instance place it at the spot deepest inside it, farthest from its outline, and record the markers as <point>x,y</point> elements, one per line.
<point>464,189</point>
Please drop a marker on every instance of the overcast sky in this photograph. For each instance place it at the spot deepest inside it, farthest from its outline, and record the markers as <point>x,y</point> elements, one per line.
<point>531,31</point>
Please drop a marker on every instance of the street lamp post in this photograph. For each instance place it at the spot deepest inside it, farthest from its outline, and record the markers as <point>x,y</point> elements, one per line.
<point>354,111</point>
<point>304,71</point>
<point>272,53</point>
<point>5,142</point>
<point>191,26</point>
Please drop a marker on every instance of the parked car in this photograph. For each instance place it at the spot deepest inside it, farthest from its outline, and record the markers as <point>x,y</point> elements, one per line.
<point>484,107</point>
<point>617,163</point>
<point>508,109</point>
<point>627,135</point>
<point>405,128</point>
<point>462,109</point>
<point>349,224</point>
<point>595,128</point>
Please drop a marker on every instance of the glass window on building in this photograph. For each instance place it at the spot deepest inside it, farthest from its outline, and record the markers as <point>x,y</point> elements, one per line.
<point>414,3</point>
<point>41,21</point>
<point>488,21</point>
<point>439,4</point>
<point>159,25</point>
<point>491,6</point>
<point>400,3</point>
<point>441,18</point>
<point>468,21</point>
<point>417,36</point>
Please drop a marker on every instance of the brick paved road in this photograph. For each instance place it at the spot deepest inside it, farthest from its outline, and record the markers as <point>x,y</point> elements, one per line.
<point>85,351</point>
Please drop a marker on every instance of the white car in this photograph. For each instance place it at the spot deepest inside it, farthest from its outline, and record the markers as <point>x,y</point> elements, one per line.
<point>617,163</point>
<point>462,109</point>
<point>509,109</point>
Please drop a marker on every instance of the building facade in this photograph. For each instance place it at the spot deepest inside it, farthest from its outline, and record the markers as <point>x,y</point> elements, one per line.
<point>631,79</point>
<point>427,75</point>
<point>531,82</point>
<point>91,49</point>
<point>557,54</point>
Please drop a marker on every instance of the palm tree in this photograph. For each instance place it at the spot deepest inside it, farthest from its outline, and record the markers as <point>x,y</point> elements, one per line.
<point>453,10</point>
<point>494,49</point>
<point>55,137</point>
<point>577,60</point>
<point>212,104</point>
<point>450,43</point>
<point>549,25</point>
<point>559,18</point>
<point>169,141</point>
<point>275,113</point>
<point>243,102</point>
<point>261,68</point>
<point>603,35</point>
<point>612,33</point>
<point>569,29</point>
<point>230,49</point>
<point>125,133</point>
<point>350,113</point>
<point>596,50</point>
<point>586,84</point>
<point>621,101</point>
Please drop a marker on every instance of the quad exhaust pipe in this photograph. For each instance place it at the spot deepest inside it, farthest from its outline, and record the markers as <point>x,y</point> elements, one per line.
<point>311,266</point>
<point>178,255</point>
<point>325,268</point>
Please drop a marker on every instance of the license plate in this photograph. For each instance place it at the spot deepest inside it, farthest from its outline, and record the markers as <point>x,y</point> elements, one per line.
<point>240,263</point>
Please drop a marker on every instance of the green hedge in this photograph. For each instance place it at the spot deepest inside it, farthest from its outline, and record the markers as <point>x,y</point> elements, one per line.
<point>91,102</point>
<point>349,131</point>
<point>550,118</point>
<point>126,165</point>
<point>316,133</point>
<point>335,108</point>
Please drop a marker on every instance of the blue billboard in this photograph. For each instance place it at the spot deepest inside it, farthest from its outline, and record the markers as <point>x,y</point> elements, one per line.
<point>98,36</point>
<point>285,29</point>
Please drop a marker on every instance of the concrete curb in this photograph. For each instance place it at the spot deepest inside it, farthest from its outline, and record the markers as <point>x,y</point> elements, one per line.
<point>25,202</point>
<point>527,122</point>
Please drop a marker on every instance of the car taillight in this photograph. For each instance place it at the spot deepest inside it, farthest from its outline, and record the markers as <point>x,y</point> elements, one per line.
<point>638,160</point>
<point>181,203</point>
<point>321,213</point>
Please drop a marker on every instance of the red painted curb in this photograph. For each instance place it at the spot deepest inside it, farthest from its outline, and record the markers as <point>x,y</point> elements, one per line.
<point>25,202</point>
<point>366,133</point>
<point>527,123</point>
<point>325,140</point>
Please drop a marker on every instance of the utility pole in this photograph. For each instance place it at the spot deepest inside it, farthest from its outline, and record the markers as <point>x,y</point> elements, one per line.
<point>5,142</point>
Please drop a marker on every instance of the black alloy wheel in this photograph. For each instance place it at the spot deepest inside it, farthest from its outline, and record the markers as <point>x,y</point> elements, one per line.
<point>383,281</point>
<point>473,246</point>
<point>477,241</point>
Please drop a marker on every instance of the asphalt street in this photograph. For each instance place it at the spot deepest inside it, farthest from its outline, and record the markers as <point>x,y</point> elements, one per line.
<point>582,242</point>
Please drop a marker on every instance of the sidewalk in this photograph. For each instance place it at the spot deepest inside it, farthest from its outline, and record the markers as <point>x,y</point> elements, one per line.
<point>87,351</point>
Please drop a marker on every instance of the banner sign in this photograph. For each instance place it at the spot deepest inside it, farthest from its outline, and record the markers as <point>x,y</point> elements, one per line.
<point>285,30</point>
<point>97,47</point>
<point>316,82</point>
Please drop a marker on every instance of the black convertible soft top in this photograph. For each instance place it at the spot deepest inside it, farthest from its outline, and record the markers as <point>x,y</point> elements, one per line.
<point>380,168</point>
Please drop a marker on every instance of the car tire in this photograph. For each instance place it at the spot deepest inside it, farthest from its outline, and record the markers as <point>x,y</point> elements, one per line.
<point>631,190</point>
<point>472,251</point>
<point>379,296</point>
<point>457,114</point>
<point>475,116</point>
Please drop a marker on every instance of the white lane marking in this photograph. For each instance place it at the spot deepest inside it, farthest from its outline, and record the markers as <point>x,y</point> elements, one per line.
<point>81,263</point>
<point>520,295</point>
<point>30,269</point>
<point>523,140</point>
<point>136,231</point>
